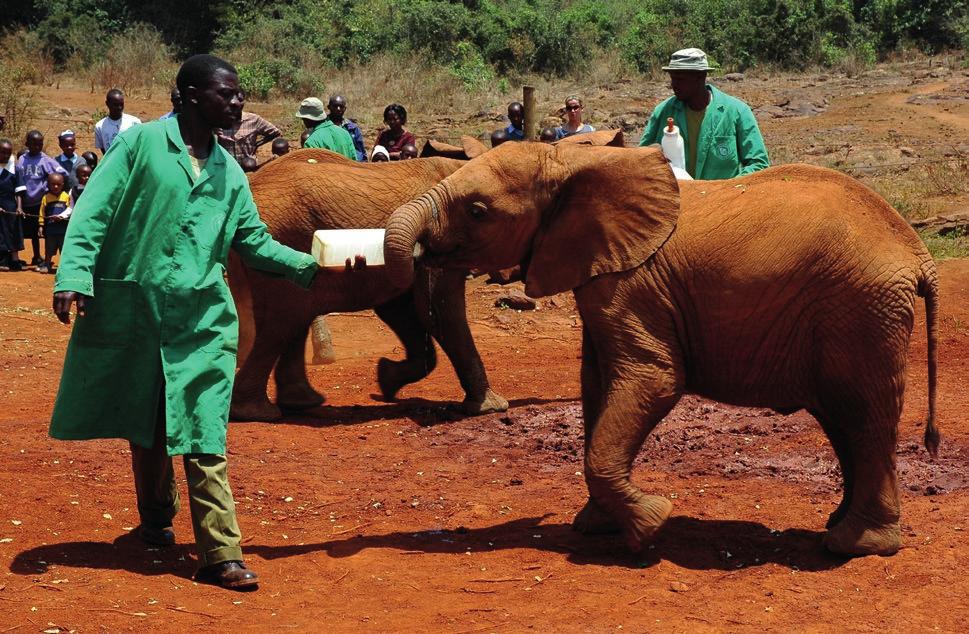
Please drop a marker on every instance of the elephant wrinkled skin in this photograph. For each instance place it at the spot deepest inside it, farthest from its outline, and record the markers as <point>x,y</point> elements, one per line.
<point>790,288</point>
<point>296,197</point>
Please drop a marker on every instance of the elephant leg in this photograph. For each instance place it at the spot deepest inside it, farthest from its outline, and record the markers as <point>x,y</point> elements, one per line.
<point>870,526</point>
<point>249,400</point>
<point>293,389</point>
<point>842,449</point>
<point>592,519</point>
<point>421,358</point>
<point>631,408</point>
<point>439,297</point>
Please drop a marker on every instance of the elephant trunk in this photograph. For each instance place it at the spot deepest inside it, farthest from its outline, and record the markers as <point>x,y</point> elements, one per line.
<point>405,227</point>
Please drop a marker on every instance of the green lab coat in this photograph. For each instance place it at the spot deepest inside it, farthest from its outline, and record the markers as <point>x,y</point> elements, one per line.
<point>329,136</point>
<point>730,143</point>
<point>148,241</point>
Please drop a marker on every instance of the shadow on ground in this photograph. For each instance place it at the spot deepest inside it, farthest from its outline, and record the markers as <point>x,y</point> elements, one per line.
<point>686,541</point>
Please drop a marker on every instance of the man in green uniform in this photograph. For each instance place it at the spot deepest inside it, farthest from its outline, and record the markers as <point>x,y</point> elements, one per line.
<point>720,133</point>
<point>325,134</point>
<point>152,356</point>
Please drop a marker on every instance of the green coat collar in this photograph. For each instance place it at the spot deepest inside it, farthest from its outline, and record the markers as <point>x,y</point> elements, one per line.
<point>215,162</point>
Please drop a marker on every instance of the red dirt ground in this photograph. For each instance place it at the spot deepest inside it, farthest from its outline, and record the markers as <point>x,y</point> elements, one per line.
<point>375,516</point>
<point>371,516</point>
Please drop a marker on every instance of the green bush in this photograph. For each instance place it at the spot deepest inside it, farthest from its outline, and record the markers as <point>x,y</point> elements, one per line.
<point>290,44</point>
<point>648,43</point>
<point>255,79</point>
<point>470,68</point>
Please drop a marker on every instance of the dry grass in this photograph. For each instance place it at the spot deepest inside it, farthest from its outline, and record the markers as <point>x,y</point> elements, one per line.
<point>137,61</point>
<point>920,192</point>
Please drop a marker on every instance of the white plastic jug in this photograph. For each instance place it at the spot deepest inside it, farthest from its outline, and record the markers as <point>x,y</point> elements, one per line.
<point>332,247</point>
<point>673,145</point>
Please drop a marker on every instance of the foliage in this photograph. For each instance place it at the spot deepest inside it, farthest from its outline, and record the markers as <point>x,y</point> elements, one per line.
<point>289,46</point>
<point>470,68</point>
<point>18,101</point>
<point>136,59</point>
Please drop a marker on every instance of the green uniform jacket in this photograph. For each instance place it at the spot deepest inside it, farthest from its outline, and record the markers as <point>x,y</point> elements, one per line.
<point>730,143</point>
<point>148,241</point>
<point>330,136</point>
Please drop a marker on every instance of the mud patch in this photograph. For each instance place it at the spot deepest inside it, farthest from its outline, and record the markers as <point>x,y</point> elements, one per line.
<point>705,438</point>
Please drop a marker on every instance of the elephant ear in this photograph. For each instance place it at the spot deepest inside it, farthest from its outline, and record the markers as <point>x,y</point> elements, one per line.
<point>612,138</point>
<point>614,209</point>
<point>473,147</point>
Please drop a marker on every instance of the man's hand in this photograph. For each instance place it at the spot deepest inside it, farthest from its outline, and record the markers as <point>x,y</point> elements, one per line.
<point>62,305</point>
<point>359,263</point>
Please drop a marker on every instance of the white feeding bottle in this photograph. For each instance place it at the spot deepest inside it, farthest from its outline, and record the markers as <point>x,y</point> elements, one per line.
<point>673,145</point>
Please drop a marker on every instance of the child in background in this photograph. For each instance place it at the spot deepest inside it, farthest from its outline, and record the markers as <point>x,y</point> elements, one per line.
<point>548,135</point>
<point>55,211</point>
<point>499,136</point>
<point>11,231</point>
<point>83,174</point>
<point>409,151</point>
<point>68,159</point>
<point>33,168</point>
<point>280,147</point>
<point>248,164</point>
<point>91,159</point>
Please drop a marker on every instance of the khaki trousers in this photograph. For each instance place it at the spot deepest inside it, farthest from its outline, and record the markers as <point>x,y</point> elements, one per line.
<point>217,536</point>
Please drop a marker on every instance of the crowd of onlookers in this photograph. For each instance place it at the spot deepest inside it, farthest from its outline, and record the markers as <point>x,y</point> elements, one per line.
<point>38,192</point>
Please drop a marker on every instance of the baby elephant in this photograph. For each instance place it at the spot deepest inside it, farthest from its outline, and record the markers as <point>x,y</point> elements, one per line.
<point>791,288</point>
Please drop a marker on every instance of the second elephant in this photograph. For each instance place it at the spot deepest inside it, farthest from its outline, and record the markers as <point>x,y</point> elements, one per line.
<point>315,189</point>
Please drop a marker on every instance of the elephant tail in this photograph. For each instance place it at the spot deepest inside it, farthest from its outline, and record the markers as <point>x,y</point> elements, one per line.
<point>929,289</point>
<point>238,275</point>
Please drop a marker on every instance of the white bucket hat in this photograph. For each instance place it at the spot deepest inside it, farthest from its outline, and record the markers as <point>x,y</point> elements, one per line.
<point>689,59</point>
<point>380,150</point>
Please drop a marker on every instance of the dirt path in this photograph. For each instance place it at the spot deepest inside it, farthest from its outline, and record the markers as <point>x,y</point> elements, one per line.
<point>371,516</point>
<point>375,516</point>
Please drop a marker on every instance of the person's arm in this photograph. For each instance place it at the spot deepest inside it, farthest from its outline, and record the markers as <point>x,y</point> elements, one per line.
<point>751,150</point>
<point>266,132</point>
<point>40,214</point>
<point>652,129</point>
<point>20,188</point>
<point>358,144</point>
<point>260,251</point>
<point>91,220</point>
<point>98,139</point>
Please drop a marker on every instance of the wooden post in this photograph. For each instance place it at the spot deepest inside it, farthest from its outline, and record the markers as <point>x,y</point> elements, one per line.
<point>528,100</point>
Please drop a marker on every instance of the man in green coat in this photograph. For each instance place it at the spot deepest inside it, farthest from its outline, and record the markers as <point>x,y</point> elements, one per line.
<point>324,133</point>
<point>720,133</point>
<point>152,356</point>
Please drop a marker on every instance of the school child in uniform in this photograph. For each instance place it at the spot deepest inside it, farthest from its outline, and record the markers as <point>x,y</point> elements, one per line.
<point>54,213</point>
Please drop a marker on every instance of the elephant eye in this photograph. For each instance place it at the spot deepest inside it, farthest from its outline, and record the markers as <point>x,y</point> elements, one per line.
<point>478,209</point>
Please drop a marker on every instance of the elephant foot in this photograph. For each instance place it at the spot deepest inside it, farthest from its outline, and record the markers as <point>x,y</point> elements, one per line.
<point>647,515</point>
<point>298,397</point>
<point>490,404</point>
<point>837,515</point>
<point>263,411</point>
<point>855,538</point>
<point>393,375</point>
<point>592,520</point>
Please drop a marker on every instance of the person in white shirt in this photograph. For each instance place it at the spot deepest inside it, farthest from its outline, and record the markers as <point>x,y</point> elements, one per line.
<point>116,122</point>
